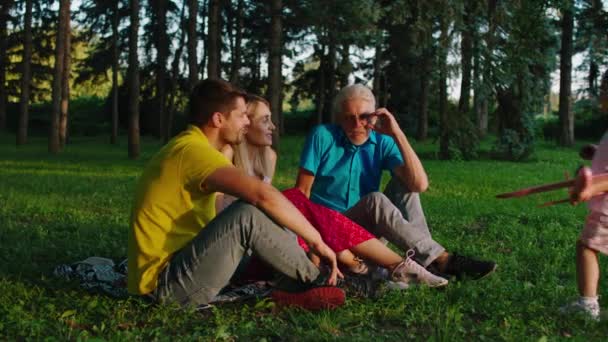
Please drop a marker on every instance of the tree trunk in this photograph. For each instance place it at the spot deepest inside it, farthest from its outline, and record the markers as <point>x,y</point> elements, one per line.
<point>487,84</point>
<point>65,83</point>
<point>423,118</point>
<point>444,134</point>
<point>133,80</point>
<point>377,72</point>
<point>592,79</point>
<point>204,20</point>
<point>115,56</point>
<point>26,76</point>
<point>330,74</point>
<point>466,53</point>
<point>162,51</point>
<point>192,43</point>
<point>54,144</point>
<point>174,76</point>
<point>3,44</point>
<point>213,39</point>
<point>604,93</point>
<point>320,99</point>
<point>275,80</point>
<point>566,117</point>
<point>346,67</point>
<point>425,80</point>
<point>478,91</point>
<point>236,53</point>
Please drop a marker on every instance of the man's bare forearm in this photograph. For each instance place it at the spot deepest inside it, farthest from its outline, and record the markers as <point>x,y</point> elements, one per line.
<point>275,205</point>
<point>411,172</point>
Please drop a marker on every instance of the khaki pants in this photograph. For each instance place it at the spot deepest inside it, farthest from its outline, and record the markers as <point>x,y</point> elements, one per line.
<point>197,273</point>
<point>396,215</point>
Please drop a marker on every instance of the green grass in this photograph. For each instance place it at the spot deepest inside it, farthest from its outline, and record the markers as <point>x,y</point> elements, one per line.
<point>60,209</point>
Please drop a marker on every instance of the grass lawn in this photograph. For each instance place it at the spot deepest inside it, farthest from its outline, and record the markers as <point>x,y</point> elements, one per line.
<point>61,209</point>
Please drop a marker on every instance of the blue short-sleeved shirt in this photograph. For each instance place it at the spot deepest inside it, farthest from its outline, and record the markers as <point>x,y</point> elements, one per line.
<point>345,172</point>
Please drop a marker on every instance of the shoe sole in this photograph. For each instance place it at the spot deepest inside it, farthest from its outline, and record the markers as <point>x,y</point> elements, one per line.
<point>454,277</point>
<point>438,285</point>
<point>401,285</point>
<point>487,274</point>
<point>319,298</point>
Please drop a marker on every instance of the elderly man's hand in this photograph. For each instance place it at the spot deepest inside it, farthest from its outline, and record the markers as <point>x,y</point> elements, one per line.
<point>385,123</point>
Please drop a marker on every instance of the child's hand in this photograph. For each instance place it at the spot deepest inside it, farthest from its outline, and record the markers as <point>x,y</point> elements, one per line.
<point>582,190</point>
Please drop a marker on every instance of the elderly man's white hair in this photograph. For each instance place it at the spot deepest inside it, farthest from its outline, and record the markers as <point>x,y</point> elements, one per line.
<point>353,91</point>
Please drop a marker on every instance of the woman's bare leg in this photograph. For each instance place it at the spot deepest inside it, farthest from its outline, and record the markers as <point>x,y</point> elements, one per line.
<point>378,253</point>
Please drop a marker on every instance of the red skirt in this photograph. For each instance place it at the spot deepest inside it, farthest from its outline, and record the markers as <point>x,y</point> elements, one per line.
<point>337,230</point>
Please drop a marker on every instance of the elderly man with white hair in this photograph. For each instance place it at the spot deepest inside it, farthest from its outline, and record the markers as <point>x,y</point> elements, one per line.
<point>341,168</point>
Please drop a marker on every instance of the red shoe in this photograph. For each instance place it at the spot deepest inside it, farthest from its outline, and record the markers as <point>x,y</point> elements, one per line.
<point>318,298</point>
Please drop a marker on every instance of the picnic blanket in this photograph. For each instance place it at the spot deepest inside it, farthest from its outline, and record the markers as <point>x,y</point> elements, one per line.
<point>102,275</point>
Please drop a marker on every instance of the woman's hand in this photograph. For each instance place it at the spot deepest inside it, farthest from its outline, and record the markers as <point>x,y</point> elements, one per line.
<point>322,250</point>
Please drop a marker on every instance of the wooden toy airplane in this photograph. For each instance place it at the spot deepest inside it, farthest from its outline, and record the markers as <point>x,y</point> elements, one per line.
<point>568,183</point>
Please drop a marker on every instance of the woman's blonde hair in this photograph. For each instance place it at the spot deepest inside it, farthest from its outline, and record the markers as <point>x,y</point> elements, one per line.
<point>261,164</point>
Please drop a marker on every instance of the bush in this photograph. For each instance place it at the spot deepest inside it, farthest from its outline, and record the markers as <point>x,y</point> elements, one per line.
<point>587,125</point>
<point>86,116</point>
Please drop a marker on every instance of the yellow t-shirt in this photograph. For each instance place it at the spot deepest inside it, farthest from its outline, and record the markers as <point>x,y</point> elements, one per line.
<point>170,208</point>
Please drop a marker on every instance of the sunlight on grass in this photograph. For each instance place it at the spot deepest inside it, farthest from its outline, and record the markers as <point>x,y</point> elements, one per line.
<point>60,209</point>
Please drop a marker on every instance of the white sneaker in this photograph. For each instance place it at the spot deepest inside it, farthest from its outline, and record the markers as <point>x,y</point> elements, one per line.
<point>410,272</point>
<point>580,306</point>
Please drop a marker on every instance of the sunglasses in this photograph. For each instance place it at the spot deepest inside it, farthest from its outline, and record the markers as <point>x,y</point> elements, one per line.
<point>370,118</point>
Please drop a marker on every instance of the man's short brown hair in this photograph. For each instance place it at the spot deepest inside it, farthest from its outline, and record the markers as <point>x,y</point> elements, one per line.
<point>210,96</point>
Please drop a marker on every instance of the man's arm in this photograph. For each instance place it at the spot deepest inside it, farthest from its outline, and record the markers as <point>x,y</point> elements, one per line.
<point>411,172</point>
<point>304,181</point>
<point>235,182</point>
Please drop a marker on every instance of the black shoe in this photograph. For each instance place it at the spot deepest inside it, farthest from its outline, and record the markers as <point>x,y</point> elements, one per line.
<point>461,267</point>
<point>360,285</point>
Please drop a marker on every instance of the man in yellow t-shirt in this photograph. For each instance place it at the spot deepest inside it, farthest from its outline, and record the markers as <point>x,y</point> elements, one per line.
<point>179,250</point>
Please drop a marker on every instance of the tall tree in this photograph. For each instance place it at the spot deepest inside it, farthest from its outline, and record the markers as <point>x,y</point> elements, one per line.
<point>275,79</point>
<point>604,93</point>
<point>161,43</point>
<point>377,84</point>
<point>525,50</point>
<point>54,143</point>
<point>566,116</point>
<point>65,83</point>
<point>4,16</point>
<point>592,40</point>
<point>133,81</point>
<point>214,39</point>
<point>115,71</point>
<point>427,51</point>
<point>238,38</point>
<point>466,58</point>
<point>444,126</point>
<point>192,43</point>
<point>484,88</point>
<point>100,24</point>
<point>173,84</point>
<point>26,76</point>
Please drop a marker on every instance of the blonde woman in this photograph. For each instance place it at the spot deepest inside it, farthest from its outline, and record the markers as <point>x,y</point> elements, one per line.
<point>350,241</point>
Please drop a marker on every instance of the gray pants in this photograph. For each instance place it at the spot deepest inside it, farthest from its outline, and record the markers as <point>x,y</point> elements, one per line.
<point>197,273</point>
<point>397,216</point>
